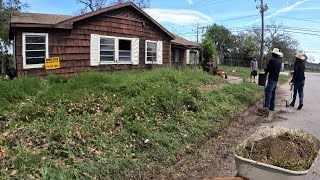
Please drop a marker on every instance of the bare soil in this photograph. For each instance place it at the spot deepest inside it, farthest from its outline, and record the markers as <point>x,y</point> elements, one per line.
<point>286,151</point>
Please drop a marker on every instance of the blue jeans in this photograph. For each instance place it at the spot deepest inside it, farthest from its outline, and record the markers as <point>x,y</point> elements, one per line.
<point>298,88</point>
<point>270,95</point>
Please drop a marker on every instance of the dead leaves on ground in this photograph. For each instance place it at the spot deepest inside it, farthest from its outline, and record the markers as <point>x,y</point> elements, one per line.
<point>2,154</point>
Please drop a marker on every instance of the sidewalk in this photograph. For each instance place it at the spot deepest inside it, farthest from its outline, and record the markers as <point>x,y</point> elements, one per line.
<point>216,159</point>
<point>306,119</point>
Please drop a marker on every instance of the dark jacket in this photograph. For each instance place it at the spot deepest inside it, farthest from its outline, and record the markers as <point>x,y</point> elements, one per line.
<point>273,69</point>
<point>298,74</point>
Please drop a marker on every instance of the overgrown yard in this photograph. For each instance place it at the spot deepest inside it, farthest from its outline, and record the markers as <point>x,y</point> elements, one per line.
<point>111,125</point>
<point>245,72</point>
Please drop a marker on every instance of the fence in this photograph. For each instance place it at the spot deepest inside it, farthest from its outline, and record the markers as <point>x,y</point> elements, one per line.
<point>236,62</point>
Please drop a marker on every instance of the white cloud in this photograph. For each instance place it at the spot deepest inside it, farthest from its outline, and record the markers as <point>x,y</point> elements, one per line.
<point>190,2</point>
<point>178,17</point>
<point>281,11</point>
<point>287,9</point>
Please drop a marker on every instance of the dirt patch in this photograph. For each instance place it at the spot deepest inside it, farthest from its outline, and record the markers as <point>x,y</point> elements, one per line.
<point>287,151</point>
<point>210,87</point>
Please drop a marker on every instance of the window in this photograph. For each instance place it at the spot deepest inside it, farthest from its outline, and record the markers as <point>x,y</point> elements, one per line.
<point>124,50</point>
<point>193,57</point>
<point>177,54</point>
<point>151,52</point>
<point>114,50</point>
<point>107,50</point>
<point>35,49</point>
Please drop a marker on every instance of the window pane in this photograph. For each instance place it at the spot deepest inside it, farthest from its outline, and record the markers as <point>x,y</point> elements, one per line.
<point>106,58</point>
<point>106,47</point>
<point>125,59</point>
<point>35,47</point>
<point>108,53</point>
<point>36,39</point>
<point>151,54</point>
<point>151,59</point>
<point>35,54</point>
<point>125,45</point>
<point>106,41</point>
<point>35,60</point>
<point>124,53</point>
<point>151,46</point>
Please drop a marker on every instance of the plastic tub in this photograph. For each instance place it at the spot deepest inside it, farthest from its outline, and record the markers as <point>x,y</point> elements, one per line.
<point>255,170</point>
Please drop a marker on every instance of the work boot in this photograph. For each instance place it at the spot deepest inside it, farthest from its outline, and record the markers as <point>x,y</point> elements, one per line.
<point>292,104</point>
<point>300,106</point>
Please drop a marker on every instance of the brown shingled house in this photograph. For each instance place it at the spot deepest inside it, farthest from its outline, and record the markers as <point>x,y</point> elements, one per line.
<point>184,52</point>
<point>120,37</point>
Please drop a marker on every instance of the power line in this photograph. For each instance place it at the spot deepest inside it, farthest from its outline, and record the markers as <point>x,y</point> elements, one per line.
<point>306,20</point>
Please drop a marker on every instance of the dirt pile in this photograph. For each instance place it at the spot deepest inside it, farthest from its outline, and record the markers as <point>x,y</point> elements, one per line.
<point>286,151</point>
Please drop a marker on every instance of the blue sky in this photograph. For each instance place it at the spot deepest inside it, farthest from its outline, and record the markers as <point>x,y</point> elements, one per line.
<point>181,16</point>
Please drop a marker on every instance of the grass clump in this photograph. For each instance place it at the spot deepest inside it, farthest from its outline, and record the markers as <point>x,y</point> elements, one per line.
<point>111,125</point>
<point>245,72</point>
<point>292,152</point>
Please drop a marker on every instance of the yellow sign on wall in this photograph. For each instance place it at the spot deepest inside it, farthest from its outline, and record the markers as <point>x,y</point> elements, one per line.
<point>52,63</point>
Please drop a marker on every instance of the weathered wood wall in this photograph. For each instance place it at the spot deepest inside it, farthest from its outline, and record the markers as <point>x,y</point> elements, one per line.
<point>73,46</point>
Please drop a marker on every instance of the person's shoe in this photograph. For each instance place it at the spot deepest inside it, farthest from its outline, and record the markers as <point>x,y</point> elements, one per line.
<point>300,106</point>
<point>271,109</point>
<point>292,104</point>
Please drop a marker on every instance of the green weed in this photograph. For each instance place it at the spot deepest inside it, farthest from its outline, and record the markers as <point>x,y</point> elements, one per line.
<point>112,125</point>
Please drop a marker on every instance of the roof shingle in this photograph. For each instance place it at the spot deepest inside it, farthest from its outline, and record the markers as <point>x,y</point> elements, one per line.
<point>36,18</point>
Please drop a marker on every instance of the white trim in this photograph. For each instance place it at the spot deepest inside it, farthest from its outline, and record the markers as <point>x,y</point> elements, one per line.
<point>14,53</point>
<point>32,66</point>
<point>146,52</point>
<point>188,56</point>
<point>116,50</point>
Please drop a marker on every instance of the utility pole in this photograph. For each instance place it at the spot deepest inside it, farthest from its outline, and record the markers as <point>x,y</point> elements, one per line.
<point>263,8</point>
<point>197,32</point>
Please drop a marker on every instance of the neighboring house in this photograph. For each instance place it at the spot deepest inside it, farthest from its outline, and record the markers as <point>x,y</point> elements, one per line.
<point>120,37</point>
<point>312,66</point>
<point>184,52</point>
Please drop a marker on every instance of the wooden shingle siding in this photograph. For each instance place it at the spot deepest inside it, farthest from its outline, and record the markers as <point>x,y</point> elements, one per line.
<point>73,46</point>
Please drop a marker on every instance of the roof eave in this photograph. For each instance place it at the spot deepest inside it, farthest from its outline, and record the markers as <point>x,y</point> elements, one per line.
<point>31,25</point>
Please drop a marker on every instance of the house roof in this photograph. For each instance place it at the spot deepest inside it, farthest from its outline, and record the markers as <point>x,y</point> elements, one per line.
<point>66,22</point>
<point>36,18</point>
<point>184,42</point>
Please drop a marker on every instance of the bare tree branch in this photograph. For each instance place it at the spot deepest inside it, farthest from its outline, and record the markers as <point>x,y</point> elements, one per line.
<point>93,5</point>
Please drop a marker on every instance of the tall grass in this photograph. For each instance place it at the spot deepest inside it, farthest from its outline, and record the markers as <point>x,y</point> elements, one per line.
<point>112,125</point>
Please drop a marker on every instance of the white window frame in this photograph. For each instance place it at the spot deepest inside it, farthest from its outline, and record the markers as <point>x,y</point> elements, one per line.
<point>146,52</point>
<point>116,50</point>
<point>32,66</point>
<point>197,56</point>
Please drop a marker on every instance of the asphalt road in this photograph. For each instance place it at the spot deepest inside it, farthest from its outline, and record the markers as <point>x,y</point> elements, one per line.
<point>307,119</point>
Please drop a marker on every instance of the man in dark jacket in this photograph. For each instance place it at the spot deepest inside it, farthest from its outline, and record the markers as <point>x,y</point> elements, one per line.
<point>273,69</point>
<point>298,79</point>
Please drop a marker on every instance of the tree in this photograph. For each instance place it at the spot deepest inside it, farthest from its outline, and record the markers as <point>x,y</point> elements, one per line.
<point>7,7</point>
<point>221,37</point>
<point>278,38</point>
<point>93,5</point>
<point>246,46</point>
<point>143,4</point>
<point>209,49</point>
